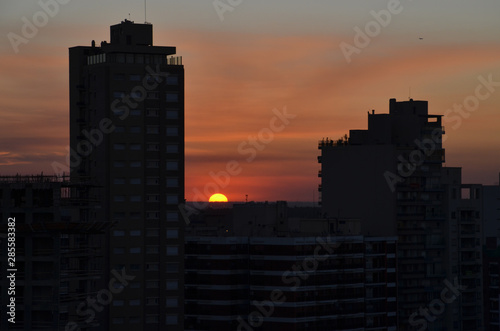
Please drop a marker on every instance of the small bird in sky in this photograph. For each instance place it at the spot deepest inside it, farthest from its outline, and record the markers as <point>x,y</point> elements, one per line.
<point>421,38</point>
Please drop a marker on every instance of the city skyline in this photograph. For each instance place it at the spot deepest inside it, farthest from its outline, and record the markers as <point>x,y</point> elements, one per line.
<point>242,74</point>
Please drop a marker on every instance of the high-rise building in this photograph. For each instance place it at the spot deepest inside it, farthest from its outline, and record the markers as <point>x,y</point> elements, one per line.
<point>127,138</point>
<point>391,177</point>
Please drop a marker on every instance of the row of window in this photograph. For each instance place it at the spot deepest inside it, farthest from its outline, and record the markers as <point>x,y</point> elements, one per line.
<point>151,95</point>
<point>171,233</point>
<point>171,250</point>
<point>171,182</point>
<point>170,79</point>
<point>171,302</point>
<point>150,319</point>
<point>171,199</point>
<point>171,131</point>
<point>172,216</point>
<point>172,267</point>
<point>170,165</point>
<point>170,114</point>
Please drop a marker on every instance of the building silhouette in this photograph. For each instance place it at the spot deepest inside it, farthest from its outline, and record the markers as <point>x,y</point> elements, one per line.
<point>59,257</point>
<point>391,177</point>
<point>127,138</point>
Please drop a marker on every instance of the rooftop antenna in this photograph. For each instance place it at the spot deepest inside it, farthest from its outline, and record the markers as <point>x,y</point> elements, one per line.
<point>409,93</point>
<point>145,19</point>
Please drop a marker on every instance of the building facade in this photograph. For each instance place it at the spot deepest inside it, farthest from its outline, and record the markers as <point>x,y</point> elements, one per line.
<point>127,138</point>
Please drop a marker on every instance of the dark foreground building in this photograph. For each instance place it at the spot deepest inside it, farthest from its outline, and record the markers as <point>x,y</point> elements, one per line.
<point>127,138</point>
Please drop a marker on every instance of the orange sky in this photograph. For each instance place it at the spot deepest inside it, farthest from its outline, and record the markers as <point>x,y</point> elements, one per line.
<point>235,79</point>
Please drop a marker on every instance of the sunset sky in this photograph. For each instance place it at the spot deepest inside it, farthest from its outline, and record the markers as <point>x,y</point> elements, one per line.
<point>264,56</point>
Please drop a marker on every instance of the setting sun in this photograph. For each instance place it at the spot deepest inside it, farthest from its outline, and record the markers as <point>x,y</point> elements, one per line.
<point>217,197</point>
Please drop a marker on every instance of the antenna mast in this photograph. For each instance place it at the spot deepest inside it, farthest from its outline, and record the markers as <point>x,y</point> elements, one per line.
<point>145,19</point>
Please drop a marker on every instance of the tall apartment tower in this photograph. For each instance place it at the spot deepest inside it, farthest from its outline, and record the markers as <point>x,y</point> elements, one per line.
<point>392,178</point>
<point>127,138</point>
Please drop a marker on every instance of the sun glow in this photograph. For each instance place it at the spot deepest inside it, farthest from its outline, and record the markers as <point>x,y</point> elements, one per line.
<point>218,197</point>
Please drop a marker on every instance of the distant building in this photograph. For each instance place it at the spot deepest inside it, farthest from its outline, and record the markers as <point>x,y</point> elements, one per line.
<point>391,178</point>
<point>59,253</point>
<point>260,269</point>
<point>127,138</point>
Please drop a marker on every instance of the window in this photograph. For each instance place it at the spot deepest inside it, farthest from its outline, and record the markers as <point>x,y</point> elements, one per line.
<point>120,58</point>
<point>153,164</point>
<point>172,97</point>
<point>134,320</point>
<point>135,215</point>
<point>172,250</point>
<point>172,320</point>
<point>135,302</point>
<point>117,303</point>
<point>152,215</point>
<point>172,165</point>
<point>118,94</point>
<point>138,96</point>
<point>135,129</point>
<point>152,301</point>
<point>172,114</point>
<point>152,267</point>
<point>152,112</point>
<point>152,249</point>
<point>135,181</point>
<point>135,78</point>
<point>135,198</point>
<point>172,131</point>
<point>152,232</point>
<point>152,284</point>
<point>172,285</point>
<point>135,233</point>
<point>153,95</point>
<point>118,164</point>
<point>118,250</point>
<point>152,129</point>
<point>151,319</point>
<point>172,148</point>
<point>119,198</point>
<point>172,199</point>
<point>118,216</point>
<point>172,302</point>
<point>153,147</point>
<point>172,233</point>
<point>135,147</point>
<point>118,233</point>
<point>172,80</point>
<point>153,181</point>
<point>119,147</point>
<point>119,181</point>
<point>135,267</point>
<point>135,112</point>
<point>153,198</point>
<point>118,77</point>
<point>135,284</point>
<point>172,182</point>
<point>135,164</point>
<point>119,129</point>
<point>135,250</point>
<point>139,58</point>
<point>172,216</point>
<point>172,267</point>
<point>130,57</point>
